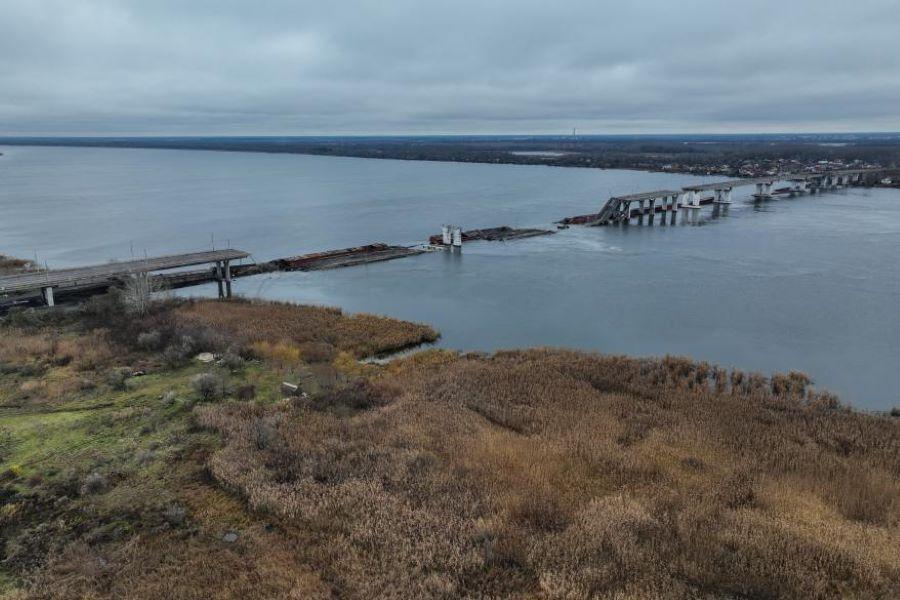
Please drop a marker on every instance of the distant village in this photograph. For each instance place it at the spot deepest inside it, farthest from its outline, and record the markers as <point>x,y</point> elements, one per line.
<point>762,168</point>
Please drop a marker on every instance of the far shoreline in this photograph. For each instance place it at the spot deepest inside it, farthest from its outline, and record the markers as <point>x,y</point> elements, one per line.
<point>700,155</point>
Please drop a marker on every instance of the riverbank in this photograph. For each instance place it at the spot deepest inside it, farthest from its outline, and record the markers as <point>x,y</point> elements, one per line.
<point>160,455</point>
<point>723,155</point>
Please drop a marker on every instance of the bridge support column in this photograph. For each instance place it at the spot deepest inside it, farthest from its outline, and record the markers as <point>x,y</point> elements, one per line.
<point>457,238</point>
<point>228,279</point>
<point>47,292</point>
<point>641,213</point>
<point>674,210</point>
<point>652,210</point>
<point>219,279</point>
<point>723,197</point>
<point>763,191</point>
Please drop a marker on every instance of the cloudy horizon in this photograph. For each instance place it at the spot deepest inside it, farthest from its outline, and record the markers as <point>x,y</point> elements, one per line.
<point>104,67</point>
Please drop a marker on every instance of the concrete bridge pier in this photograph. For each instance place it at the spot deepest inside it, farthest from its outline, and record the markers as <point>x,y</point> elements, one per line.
<point>674,210</point>
<point>763,190</point>
<point>798,187</point>
<point>219,279</point>
<point>691,206</point>
<point>723,196</point>
<point>652,210</point>
<point>223,278</point>
<point>47,293</point>
<point>642,209</point>
<point>227,265</point>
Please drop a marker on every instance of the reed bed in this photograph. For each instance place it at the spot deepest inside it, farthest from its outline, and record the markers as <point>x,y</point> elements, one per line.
<point>556,474</point>
<point>309,327</point>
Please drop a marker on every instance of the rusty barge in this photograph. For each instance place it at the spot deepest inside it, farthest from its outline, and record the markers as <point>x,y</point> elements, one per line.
<point>493,234</point>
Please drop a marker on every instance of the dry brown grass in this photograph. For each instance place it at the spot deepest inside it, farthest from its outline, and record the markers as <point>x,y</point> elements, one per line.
<point>84,351</point>
<point>258,565</point>
<point>51,367</point>
<point>527,474</point>
<point>558,474</point>
<point>311,329</point>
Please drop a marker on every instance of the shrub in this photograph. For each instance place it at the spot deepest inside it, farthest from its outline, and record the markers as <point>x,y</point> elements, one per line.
<point>209,386</point>
<point>263,434</point>
<point>145,457</point>
<point>179,352</point>
<point>28,318</point>
<point>361,394</point>
<point>823,400</point>
<point>246,392</point>
<point>118,378</point>
<point>793,385</point>
<point>232,361</point>
<point>95,482</point>
<point>149,340</point>
<point>175,515</point>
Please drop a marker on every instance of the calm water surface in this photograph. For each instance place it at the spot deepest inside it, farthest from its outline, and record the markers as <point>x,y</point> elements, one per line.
<point>809,283</point>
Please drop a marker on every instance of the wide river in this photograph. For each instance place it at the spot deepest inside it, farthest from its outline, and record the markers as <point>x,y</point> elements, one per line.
<point>810,283</point>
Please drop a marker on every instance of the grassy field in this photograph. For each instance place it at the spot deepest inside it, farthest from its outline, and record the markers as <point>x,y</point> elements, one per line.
<point>132,470</point>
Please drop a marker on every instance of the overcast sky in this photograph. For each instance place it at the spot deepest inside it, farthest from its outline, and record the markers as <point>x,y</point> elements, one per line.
<point>456,66</point>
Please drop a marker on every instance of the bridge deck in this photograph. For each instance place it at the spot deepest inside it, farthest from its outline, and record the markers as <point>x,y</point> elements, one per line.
<point>645,196</point>
<point>730,183</point>
<point>95,273</point>
<point>733,183</point>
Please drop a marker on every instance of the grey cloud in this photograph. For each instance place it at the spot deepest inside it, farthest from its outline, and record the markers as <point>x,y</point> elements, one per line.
<point>403,66</point>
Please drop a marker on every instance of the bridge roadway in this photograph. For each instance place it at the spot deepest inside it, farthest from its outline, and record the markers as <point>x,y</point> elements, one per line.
<point>733,183</point>
<point>618,208</point>
<point>107,274</point>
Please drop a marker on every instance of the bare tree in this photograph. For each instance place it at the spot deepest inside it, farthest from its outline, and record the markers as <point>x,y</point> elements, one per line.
<point>139,291</point>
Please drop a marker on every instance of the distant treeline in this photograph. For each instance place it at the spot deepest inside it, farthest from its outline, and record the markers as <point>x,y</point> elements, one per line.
<point>680,153</point>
